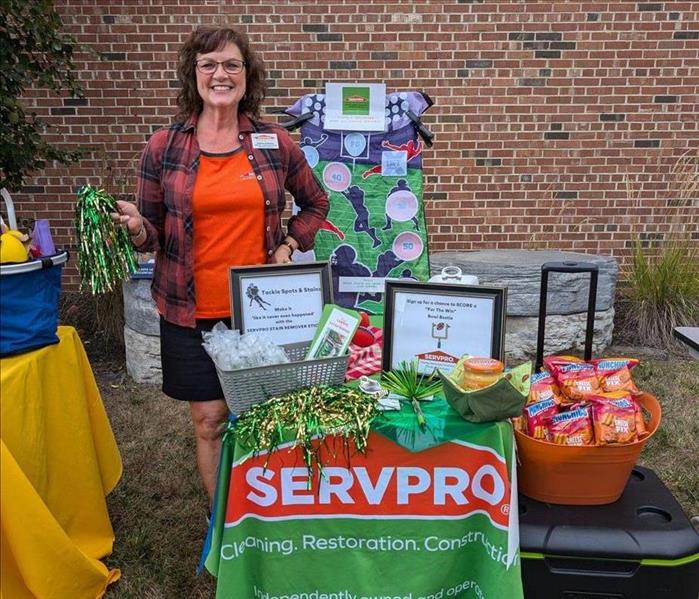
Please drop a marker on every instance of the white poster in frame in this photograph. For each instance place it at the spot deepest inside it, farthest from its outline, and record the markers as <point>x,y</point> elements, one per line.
<point>436,324</point>
<point>281,302</point>
<point>355,106</point>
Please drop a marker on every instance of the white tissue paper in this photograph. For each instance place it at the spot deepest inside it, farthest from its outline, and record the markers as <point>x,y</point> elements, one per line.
<point>232,351</point>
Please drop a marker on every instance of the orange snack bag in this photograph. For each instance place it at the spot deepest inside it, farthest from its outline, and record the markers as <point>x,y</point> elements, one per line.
<point>543,386</point>
<point>641,429</point>
<point>565,357</point>
<point>604,396</point>
<point>576,379</point>
<point>614,421</point>
<point>536,415</point>
<point>571,428</point>
<point>519,424</point>
<point>615,374</point>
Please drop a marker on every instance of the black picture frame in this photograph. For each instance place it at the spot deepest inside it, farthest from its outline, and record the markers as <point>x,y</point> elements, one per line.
<point>392,334</point>
<point>238,276</point>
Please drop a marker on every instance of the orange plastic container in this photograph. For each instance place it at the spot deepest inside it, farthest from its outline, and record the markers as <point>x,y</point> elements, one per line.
<point>580,475</point>
<point>480,372</point>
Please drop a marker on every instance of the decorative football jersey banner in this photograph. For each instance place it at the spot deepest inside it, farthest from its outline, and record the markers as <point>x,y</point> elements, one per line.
<point>375,228</point>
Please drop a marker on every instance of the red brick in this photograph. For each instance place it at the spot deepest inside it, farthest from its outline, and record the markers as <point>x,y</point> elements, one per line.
<point>620,62</point>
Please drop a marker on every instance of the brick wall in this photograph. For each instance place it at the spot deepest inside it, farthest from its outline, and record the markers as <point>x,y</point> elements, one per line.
<point>556,123</point>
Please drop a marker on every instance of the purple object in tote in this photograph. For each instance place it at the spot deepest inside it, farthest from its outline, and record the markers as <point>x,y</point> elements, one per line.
<point>41,238</point>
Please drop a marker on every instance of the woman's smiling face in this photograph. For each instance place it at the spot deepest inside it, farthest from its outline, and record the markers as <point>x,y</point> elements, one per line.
<point>221,89</point>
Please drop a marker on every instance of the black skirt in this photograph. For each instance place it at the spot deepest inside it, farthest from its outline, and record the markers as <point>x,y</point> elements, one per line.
<point>189,373</point>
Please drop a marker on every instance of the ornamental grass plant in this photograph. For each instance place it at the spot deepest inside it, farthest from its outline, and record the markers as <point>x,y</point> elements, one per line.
<point>661,292</point>
<point>659,289</point>
<point>99,321</point>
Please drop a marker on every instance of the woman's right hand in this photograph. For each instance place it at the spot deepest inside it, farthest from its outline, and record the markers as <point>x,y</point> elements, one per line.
<point>129,216</point>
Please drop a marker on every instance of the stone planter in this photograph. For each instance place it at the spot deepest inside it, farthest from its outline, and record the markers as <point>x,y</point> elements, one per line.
<point>566,304</point>
<point>518,270</point>
<point>141,332</point>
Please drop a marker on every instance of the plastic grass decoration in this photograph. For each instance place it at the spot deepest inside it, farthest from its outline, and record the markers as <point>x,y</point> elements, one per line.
<point>304,416</point>
<point>105,254</point>
<point>407,382</point>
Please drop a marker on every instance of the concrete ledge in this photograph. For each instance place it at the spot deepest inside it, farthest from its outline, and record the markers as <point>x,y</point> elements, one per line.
<point>564,333</point>
<point>140,314</point>
<point>143,357</point>
<point>520,272</point>
<point>566,302</point>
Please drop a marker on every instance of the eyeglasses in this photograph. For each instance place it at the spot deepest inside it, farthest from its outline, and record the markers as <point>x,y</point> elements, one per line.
<point>208,67</point>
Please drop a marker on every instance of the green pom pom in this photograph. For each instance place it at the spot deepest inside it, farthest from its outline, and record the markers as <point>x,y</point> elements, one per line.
<point>105,254</point>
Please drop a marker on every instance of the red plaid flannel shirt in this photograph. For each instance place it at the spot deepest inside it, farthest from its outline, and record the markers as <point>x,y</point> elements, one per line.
<point>166,177</point>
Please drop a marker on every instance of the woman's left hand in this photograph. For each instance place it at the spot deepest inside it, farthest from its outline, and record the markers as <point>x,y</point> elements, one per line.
<point>282,255</point>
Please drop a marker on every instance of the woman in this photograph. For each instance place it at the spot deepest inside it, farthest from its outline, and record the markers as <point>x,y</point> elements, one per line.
<point>210,195</point>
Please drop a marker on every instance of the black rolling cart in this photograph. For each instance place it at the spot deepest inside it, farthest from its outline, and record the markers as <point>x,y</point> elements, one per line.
<point>642,546</point>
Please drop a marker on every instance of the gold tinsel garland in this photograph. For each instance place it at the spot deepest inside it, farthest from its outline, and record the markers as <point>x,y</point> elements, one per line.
<point>303,417</point>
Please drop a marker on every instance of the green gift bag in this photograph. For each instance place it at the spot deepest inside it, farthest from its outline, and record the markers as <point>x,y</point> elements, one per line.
<point>505,399</point>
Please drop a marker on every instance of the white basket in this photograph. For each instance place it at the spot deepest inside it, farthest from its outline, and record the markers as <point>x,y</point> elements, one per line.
<point>246,387</point>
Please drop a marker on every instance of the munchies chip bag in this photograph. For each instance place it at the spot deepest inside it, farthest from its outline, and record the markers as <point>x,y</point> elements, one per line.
<point>571,428</point>
<point>536,416</point>
<point>543,386</point>
<point>615,374</point>
<point>641,429</point>
<point>615,420</point>
<point>519,424</point>
<point>577,379</point>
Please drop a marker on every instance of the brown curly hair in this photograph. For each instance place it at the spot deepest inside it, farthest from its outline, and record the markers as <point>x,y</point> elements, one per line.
<point>211,39</point>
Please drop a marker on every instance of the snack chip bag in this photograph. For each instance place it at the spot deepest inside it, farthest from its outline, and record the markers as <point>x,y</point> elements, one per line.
<point>601,396</point>
<point>577,379</point>
<point>641,429</point>
<point>614,420</point>
<point>567,358</point>
<point>614,374</point>
<point>571,428</point>
<point>536,415</point>
<point>543,386</point>
<point>519,424</point>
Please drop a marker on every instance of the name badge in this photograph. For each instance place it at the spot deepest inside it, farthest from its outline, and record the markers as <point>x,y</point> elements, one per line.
<point>265,141</point>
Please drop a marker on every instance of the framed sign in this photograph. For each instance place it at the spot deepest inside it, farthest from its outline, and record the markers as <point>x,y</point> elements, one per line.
<point>282,301</point>
<point>355,106</point>
<point>437,323</point>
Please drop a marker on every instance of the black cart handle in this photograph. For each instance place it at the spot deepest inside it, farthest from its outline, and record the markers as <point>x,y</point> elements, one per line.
<point>297,122</point>
<point>571,267</point>
<point>426,135</point>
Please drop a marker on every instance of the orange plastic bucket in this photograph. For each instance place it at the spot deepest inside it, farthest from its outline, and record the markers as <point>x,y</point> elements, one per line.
<point>580,475</point>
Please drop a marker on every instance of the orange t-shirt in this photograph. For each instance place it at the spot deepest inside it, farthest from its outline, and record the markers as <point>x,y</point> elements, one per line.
<point>229,222</point>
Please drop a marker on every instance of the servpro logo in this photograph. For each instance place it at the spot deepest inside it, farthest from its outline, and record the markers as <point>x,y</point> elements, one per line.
<point>452,481</point>
<point>438,356</point>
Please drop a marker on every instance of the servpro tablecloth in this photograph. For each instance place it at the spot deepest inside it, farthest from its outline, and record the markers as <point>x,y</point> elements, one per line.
<point>425,514</point>
<point>59,461</point>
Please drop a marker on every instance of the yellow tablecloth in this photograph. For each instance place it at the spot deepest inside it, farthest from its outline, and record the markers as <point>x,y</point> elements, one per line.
<point>59,460</point>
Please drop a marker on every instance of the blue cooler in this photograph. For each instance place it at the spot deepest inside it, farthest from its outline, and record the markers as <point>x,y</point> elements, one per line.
<point>29,293</point>
<point>642,546</point>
